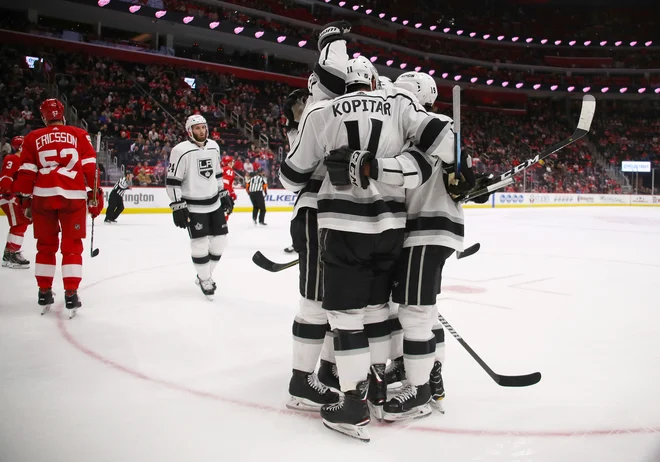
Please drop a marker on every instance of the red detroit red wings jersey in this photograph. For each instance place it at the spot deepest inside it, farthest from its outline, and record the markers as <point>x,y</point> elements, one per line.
<point>58,160</point>
<point>10,166</point>
<point>228,176</point>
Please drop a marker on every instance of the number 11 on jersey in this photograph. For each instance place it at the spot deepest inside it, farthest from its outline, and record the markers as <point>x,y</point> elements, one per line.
<point>456,105</point>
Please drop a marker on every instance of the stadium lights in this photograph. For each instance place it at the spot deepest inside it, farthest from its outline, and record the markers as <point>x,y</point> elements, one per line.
<point>160,14</point>
<point>238,30</point>
<point>657,90</point>
<point>529,40</point>
<point>641,90</point>
<point>302,43</point>
<point>489,82</point>
<point>457,77</point>
<point>623,90</point>
<point>188,19</point>
<point>544,41</point>
<point>381,15</point>
<point>373,59</point>
<point>633,43</point>
<point>587,43</point>
<point>432,28</point>
<point>445,30</point>
<point>474,79</point>
<point>586,89</point>
<point>259,34</point>
<point>402,66</point>
<point>500,37</point>
<point>342,4</point>
<point>134,8</point>
<point>537,86</point>
<point>459,32</point>
<point>418,68</point>
<point>472,34</point>
<point>369,11</point>
<point>103,3</point>
<point>557,42</point>
<point>389,62</point>
<point>418,25</point>
<point>281,38</point>
<point>649,43</point>
<point>570,89</point>
<point>505,84</point>
<point>356,7</point>
<point>519,85</point>
<point>445,75</point>
<point>432,71</point>
<point>327,1</point>
<point>214,24</point>
<point>356,54</point>
<point>603,43</point>
<point>486,36</point>
<point>617,44</point>
<point>405,22</point>
<point>604,89</point>
<point>394,18</point>
<point>514,39</point>
<point>553,88</point>
<point>571,43</point>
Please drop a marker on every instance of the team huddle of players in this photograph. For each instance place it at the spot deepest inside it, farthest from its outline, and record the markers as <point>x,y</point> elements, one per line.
<point>377,215</point>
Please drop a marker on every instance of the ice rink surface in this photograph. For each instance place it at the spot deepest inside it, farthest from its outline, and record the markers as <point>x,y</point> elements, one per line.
<point>150,370</point>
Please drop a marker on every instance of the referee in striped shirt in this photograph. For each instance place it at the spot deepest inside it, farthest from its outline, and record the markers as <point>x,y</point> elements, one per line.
<point>116,200</point>
<point>257,188</point>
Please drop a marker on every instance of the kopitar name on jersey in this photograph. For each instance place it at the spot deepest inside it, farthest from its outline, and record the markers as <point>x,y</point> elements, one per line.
<point>361,105</point>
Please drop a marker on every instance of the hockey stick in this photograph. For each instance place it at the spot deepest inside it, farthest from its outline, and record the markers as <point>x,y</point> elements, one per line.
<point>456,106</point>
<point>501,380</point>
<point>94,252</point>
<point>469,251</point>
<point>506,178</point>
<point>262,262</point>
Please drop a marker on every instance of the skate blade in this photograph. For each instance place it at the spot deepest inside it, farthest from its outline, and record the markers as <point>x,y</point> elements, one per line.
<point>45,309</point>
<point>437,405</point>
<point>416,413</point>
<point>209,297</point>
<point>359,432</point>
<point>18,266</point>
<point>301,404</point>
<point>72,313</point>
<point>376,411</point>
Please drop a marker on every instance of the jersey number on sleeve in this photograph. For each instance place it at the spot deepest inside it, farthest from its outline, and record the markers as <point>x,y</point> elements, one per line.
<point>353,131</point>
<point>48,160</point>
<point>9,164</point>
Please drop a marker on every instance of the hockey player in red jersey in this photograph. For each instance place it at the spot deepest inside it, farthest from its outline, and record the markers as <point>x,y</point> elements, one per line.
<point>228,176</point>
<point>58,163</point>
<point>18,222</point>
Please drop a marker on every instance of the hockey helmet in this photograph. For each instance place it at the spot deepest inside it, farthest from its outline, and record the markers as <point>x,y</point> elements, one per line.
<point>193,120</point>
<point>227,160</point>
<point>419,84</point>
<point>360,71</point>
<point>16,143</point>
<point>384,82</point>
<point>52,110</point>
<point>311,81</point>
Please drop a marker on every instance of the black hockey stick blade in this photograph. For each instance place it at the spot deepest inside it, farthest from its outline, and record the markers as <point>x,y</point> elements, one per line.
<point>95,253</point>
<point>261,261</point>
<point>92,251</point>
<point>469,251</point>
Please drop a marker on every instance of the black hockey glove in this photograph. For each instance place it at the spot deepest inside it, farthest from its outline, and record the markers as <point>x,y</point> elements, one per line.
<point>226,202</point>
<point>294,106</point>
<point>332,32</point>
<point>482,180</point>
<point>458,185</point>
<point>349,167</point>
<point>180,214</point>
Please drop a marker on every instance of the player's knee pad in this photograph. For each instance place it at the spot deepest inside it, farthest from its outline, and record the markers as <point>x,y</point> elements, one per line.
<point>199,247</point>
<point>48,244</point>
<point>417,320</point>
<point>350,320</point>
<point>217,245</point>
<point>72,246</point>
<point>311,312</point>
<point>374,314</point>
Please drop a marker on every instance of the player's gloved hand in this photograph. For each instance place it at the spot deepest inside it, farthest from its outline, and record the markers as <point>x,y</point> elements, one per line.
<point>233,196</point>
<point>294,106</point>
<point>347,166</point>
<point>332,32</point>
<point>482,180</point>
<point>95,207</point>
<point>25,204</point>
<point>180,214</point>
<point>226,201</point>
<point>459,183</point>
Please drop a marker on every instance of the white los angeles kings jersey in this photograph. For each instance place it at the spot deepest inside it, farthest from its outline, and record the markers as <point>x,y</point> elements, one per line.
<point>382,122</point>
<point>195,176</point>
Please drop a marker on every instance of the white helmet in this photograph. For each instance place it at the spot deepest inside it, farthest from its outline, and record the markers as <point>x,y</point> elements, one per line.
<point>311,81</point>
<point>195,119</point>
<point>361,71</point>
<point>384,82</point>
<point>419,84</point>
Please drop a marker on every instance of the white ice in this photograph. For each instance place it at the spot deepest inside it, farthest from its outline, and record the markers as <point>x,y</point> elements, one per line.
<point>150,370</point>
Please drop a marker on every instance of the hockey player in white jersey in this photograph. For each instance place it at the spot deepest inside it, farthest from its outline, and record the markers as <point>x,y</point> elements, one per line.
<point>311,333</point>
<point>361,221</point>
<point>199,200</point>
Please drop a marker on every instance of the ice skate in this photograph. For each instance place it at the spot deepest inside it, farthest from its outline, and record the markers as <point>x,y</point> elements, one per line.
<point>411,403</point>
<point>5,258</point>
<point>198,282</point>
<point>289,249</point>
<point>350,415</point>
<point>395,374</point>
<point>16,261</point>
<point>437,387</point>
<point>72,302</point>
<point>207,286</point>
<point>328,375</point>
<point>46,300</point>
<point>377,390</point>
<point>308,394</point>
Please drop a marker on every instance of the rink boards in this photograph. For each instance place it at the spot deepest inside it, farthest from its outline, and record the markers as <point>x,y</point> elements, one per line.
<point>155,200</point>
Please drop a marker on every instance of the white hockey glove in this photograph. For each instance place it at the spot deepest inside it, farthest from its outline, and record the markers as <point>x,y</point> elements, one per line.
<point>350,167</point>
<point>332,32</point>
<point>180,214</point>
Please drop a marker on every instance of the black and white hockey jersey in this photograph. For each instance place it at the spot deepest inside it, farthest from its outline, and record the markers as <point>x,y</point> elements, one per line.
<point>382,122</point>
<point>195,176</point>
<point>120,187</point>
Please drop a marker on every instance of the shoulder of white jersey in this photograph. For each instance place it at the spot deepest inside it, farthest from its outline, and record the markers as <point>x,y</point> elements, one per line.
<point>212,144</point>
<point>183,146</point>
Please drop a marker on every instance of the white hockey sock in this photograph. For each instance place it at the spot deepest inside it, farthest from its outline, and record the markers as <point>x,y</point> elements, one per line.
<point>328,350</point>
<point>199,249</point>
<point>351,347</point>
<point>309,328</point>
<point>439,333</point>
<point>396,342</point>
<point>217,245</point>
<point>377,328</point>
<point>418,341</point>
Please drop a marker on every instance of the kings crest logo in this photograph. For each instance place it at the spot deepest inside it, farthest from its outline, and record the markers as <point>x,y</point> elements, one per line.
<point>205,167</point>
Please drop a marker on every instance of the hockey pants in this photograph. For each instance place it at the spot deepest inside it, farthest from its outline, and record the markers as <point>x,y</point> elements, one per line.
<point>18,224</point>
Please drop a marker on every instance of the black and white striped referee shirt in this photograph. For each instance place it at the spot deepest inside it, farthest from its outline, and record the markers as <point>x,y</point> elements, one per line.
<point>121,186</point>
<point>256,183</point>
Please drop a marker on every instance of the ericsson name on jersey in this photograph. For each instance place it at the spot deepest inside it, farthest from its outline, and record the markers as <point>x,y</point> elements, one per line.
<point>195,176</point>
